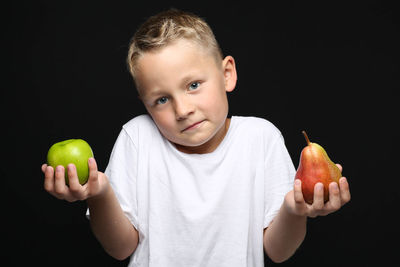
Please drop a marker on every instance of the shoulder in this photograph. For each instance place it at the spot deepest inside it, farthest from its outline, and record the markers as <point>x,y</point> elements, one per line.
<point>139,127</point>
<point>140,123</point>
<point>256,127</point>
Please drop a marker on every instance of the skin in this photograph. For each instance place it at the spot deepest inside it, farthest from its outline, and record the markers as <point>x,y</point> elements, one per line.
<point>183,87</point>
<point>181,91</point>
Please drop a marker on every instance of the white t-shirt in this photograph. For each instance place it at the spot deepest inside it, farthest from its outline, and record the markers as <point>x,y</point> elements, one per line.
<point>200,209</point>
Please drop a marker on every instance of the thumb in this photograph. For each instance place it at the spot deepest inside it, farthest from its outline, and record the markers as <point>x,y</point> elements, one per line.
<point>93,173</point>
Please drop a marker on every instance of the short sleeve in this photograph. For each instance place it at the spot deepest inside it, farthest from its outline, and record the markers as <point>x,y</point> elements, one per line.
<point>122,172</point>
<point>279,178</point>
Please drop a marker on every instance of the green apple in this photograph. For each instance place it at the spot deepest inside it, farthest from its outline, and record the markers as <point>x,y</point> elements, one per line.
<point>75,151</point>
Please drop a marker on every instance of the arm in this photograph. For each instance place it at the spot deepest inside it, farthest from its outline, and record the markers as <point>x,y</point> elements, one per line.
<point>287,231</point>
<point>109,224</point>
<point>284,235</point>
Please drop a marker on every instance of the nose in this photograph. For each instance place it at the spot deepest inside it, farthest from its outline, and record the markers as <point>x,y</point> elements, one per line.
<point>183,107</point>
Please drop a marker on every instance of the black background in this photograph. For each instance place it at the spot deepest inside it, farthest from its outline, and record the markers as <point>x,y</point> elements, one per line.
<point>327,67</point>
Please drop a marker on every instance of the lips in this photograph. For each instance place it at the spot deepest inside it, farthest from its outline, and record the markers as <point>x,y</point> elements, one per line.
<point>193,126</point>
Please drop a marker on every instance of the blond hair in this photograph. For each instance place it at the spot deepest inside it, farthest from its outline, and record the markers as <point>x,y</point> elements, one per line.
<point>166,27</point>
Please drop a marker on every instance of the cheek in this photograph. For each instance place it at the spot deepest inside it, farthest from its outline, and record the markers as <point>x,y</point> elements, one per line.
<point>163,120</point>
<point>216,100</point>
<point>215,95</point>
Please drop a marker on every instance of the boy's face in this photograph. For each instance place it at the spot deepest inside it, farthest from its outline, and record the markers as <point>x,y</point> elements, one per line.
<point>184,90</point>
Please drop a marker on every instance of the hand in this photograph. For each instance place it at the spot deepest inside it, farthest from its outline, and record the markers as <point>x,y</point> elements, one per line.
<point>338,196</point>
<point>54,183</point>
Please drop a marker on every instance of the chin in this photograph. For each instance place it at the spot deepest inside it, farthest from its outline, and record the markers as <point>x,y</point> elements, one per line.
<point>194,143</point>
<point>193,146</point>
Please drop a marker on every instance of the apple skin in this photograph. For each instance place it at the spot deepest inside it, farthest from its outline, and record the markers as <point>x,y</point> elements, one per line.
<point>75,151</point>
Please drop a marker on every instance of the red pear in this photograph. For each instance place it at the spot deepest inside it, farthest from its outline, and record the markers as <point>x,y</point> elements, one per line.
<point>315,166</point>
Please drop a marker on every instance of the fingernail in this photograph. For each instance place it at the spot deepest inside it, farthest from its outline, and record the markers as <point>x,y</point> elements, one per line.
<point>335,186</point>
<point>59,168</point>
<point>297,182</point>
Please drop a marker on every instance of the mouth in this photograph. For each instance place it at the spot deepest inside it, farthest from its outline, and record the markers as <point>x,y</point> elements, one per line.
<point>193,126</point>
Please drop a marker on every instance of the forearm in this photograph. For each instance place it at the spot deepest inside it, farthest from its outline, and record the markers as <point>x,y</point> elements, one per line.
<point>111,227</point>
<point>284,235</point>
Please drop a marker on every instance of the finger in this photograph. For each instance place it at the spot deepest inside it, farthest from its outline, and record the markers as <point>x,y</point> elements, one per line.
<point>73,181</point>
<point>93,182</point>
<point>344,190</point>
<point>93,172</point>
<point>334,197</point>
<point>339,166</point>
<point>49,179</point>
<point>60,187</point>
<point>44,166</point>
<point>318,202</point>
<point>298,194</point>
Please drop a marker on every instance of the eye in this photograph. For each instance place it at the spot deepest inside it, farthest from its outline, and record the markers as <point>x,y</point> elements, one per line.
<point>194,86</point>
<point>162,100</point>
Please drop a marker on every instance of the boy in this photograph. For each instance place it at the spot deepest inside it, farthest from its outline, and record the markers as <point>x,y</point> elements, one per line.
<point>185,185</point>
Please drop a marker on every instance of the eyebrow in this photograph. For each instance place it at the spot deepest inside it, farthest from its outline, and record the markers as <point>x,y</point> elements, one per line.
<point>184,81</point>
<point>153,94</point>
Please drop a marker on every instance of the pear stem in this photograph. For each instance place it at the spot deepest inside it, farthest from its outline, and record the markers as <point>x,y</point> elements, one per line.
<point>306,137</point>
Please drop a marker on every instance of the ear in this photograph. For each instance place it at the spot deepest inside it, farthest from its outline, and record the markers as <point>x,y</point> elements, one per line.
<point>229,70</point>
